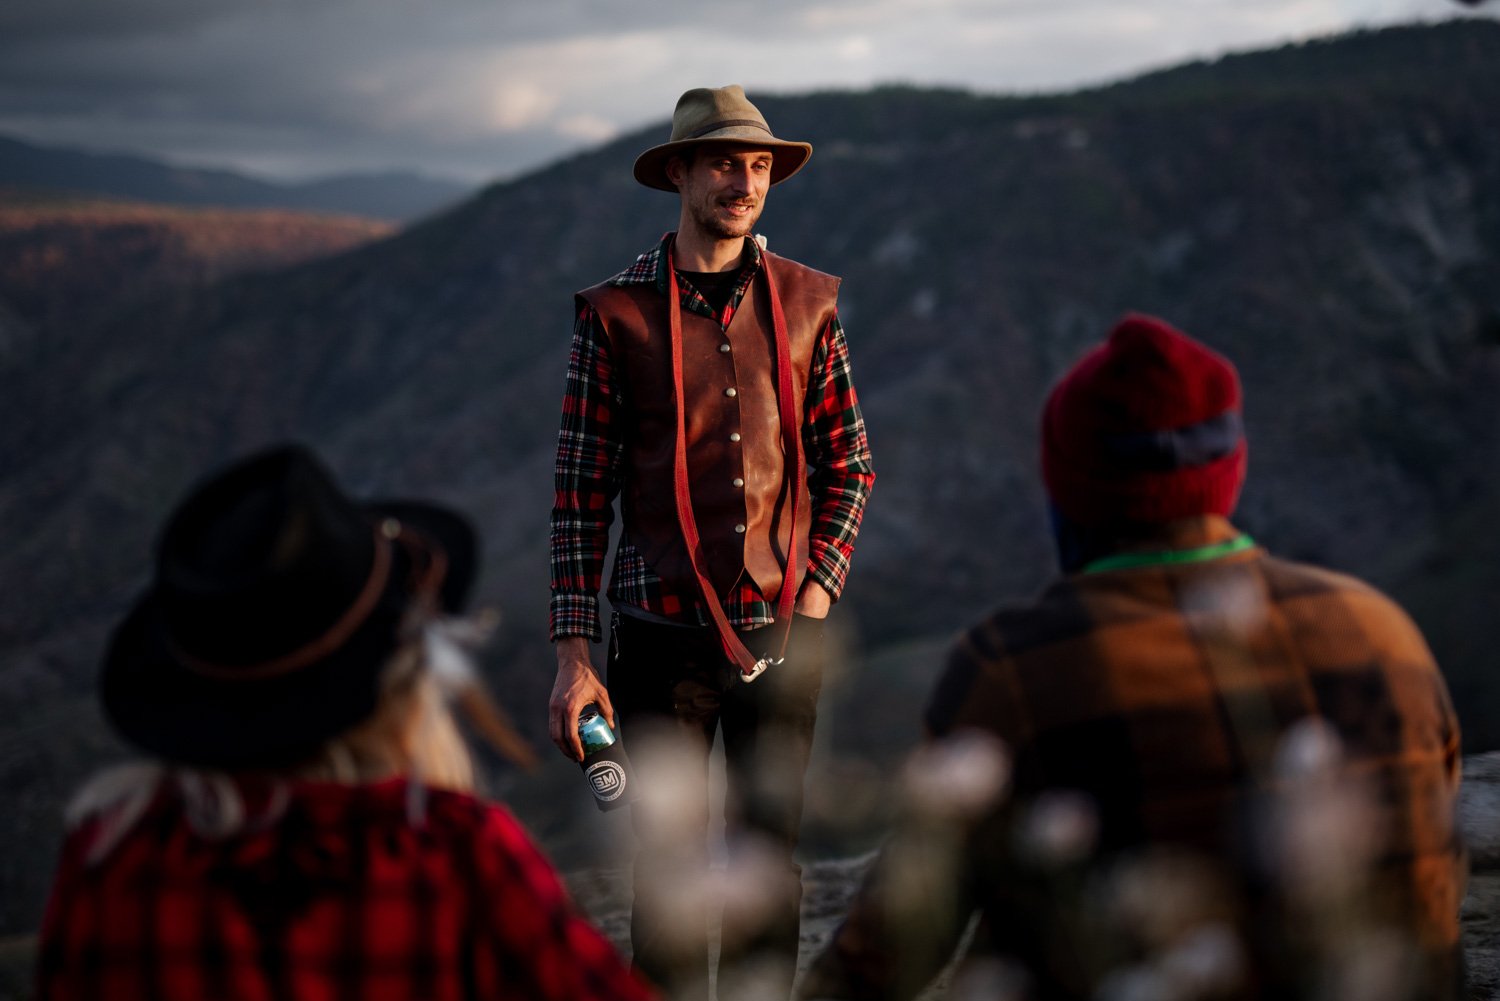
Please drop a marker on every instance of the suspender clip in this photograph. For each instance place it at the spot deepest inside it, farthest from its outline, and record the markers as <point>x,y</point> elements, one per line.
<point>759,668</point>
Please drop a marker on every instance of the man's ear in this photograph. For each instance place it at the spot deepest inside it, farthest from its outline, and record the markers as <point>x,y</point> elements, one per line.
<point>675,169</point>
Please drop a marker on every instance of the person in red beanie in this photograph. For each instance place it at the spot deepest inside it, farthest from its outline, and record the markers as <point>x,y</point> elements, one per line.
<point>1188,769</point>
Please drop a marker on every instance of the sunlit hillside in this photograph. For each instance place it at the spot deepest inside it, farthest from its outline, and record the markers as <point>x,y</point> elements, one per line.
<point>66,260</point>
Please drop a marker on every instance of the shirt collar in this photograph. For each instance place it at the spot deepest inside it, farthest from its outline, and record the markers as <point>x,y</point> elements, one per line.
<point>651,267</point>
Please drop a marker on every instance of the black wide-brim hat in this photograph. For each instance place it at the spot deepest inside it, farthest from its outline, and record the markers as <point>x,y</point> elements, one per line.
<point>276,604</point>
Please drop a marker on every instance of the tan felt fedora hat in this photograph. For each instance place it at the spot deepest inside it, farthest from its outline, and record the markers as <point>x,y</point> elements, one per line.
<point>718,114</point>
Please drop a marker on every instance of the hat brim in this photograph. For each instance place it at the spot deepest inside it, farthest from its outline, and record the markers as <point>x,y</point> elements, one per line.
<point>789,157</point>
<point>168,709</point>
<point>452,534</point>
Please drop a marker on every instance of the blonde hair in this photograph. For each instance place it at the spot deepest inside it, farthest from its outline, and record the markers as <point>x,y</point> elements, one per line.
<point>412,732</point>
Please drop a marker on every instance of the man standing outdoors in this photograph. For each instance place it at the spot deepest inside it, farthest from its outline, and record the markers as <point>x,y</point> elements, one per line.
<point>1231,775</point>
<point>709,391</point>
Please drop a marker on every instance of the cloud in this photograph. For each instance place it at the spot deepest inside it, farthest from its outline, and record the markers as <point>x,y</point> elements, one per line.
<point>41,19</point>
<point>588,128</point>
<point>482,88</point>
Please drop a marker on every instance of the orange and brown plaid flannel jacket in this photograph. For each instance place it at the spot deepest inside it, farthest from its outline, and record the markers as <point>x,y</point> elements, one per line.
<point>1161,693</point>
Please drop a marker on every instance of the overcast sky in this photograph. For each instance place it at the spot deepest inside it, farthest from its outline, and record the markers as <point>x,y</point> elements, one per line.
<point>484,89</point>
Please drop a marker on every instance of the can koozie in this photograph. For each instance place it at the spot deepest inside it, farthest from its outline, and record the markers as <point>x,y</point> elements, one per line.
<point>604,764</point>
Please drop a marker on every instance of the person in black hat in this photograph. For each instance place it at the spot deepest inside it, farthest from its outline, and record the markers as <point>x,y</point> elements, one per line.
<point>309,827</point>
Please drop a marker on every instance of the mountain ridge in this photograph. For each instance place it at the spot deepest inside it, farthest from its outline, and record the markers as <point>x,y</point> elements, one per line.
<point>392,195</point>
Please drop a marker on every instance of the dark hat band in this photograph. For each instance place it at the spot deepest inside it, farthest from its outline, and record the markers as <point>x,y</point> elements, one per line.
<point>430,565</point>
<point>1177,448</point>
<point>727,124</point>
<point>321,646</point>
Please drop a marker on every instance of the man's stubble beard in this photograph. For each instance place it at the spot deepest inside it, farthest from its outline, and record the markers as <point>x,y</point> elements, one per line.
<point>710,223</point>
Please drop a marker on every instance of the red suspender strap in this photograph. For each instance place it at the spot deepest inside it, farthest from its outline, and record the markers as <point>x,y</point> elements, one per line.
<point>794,462</point>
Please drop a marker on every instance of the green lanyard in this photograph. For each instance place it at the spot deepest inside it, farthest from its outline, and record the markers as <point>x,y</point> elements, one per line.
<point>1125,561</point>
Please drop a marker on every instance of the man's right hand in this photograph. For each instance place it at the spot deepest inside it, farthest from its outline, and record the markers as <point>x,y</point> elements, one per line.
<point>576,686</point>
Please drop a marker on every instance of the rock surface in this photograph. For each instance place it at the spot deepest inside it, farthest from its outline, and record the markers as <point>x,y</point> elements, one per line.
<point>1479,816</point>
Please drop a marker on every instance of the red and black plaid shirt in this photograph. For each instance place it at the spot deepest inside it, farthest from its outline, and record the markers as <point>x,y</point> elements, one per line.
<point>1159,693</point>
<point>346,894</point>
<point>590,470</point>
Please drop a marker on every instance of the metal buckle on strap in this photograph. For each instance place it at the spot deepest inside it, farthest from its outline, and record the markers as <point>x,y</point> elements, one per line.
<point>760,668</point>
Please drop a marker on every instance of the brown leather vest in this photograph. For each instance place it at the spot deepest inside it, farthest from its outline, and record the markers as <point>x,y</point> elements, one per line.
<point>736,468</point>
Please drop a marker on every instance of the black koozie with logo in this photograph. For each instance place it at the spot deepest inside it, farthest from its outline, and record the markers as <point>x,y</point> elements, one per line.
<point>604,764</point>
<point>608,774</point>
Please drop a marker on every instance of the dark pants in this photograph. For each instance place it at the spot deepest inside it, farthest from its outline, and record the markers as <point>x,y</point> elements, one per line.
<point>672,687</point>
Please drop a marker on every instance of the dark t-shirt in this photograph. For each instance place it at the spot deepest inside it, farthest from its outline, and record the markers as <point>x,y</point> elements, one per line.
<point>715,286</point>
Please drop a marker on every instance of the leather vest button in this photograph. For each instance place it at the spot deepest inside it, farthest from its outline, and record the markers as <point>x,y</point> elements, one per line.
<point>734,436</point>
<point>739,481</point>
<point>731,391</point>
<point>723,349</point>
<point>740,529</point>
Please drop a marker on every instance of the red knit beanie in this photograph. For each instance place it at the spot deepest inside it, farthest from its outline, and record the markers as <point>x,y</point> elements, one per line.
<point>1147,427</point>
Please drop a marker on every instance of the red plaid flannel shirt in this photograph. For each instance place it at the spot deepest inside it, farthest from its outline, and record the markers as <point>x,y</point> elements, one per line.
<point>343,896</point>
<point>1159,693</point>
<point>590,469</point>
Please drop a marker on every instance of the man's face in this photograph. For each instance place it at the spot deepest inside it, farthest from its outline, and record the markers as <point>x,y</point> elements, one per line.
<point>723,188</point>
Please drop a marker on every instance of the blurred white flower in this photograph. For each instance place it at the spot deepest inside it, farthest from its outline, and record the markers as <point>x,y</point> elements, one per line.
<point>750,887</point>
<point>1135,983</point>
<point>679,900</point>
<point>1208,962</point>
<point>989,980</point>
<point>1225,606</point>
<point>846,792</point>
<point>1310,748</point>
<point>958,777</point>
<point>1371,966</point>
<point>1060,828</point>
<point>1161,897</point>
<point>1325,822</point>
<point>671,787</point>
<point>758,978</point>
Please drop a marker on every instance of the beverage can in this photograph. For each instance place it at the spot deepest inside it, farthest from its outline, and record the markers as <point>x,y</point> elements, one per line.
<point>594,732</point>
<point>604,764</point>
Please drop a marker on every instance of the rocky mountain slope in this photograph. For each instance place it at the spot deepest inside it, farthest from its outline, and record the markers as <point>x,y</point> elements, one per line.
<point>70,262</point>
<point>1326,214</point>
